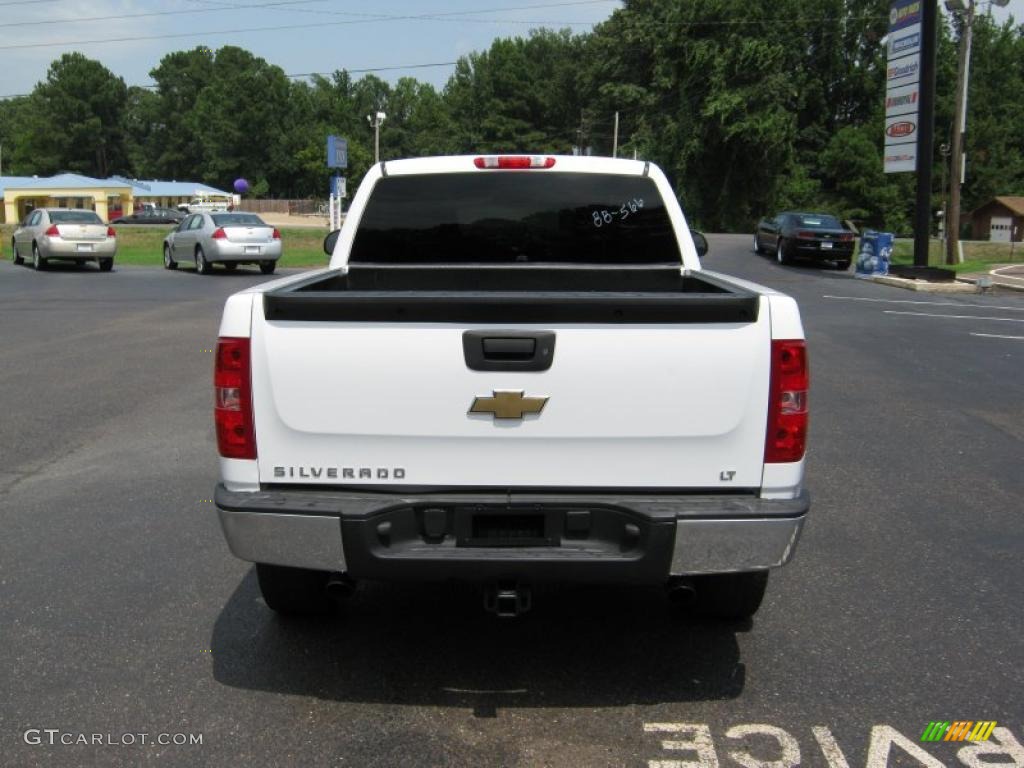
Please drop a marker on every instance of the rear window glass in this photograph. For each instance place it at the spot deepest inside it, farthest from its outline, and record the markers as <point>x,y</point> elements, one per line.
<point>237,220</point>
<point>818,220</point>
<point>508,217</point>
<point>74,217</point>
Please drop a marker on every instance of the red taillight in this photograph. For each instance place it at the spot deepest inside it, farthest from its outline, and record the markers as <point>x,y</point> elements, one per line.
<point>786,437</point>
<point>514,161</point>
<point>806,235</point>
<point>847,236</point>
<point>52,231</point>
<point>232,410</point>
<point>219,234</point>
<point>276,235</point>
<point>111,232</point>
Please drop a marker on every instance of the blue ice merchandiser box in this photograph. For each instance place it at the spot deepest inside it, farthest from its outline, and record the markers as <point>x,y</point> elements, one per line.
<point>875,253</point>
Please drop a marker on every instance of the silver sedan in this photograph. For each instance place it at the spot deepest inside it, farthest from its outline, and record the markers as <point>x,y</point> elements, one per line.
<point>64,233</point>
<point>204,239</point>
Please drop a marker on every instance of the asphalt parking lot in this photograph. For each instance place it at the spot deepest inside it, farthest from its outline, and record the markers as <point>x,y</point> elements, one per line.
<point>122,612</point>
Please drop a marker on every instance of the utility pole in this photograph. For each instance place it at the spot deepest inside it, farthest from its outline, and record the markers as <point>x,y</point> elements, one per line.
<point>957,162</point>
<point>615,136</point>
<point>376,120</point>
<point>944,150</point>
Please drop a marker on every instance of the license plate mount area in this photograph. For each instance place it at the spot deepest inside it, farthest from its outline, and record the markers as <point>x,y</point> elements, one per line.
<point>506,528</point>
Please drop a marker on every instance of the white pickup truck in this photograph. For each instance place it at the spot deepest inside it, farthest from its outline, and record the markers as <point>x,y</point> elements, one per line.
<point>514,371</point>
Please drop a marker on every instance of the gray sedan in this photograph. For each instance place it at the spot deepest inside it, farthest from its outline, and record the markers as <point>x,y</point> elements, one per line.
<point>204,239</point>
<point>64,233</point>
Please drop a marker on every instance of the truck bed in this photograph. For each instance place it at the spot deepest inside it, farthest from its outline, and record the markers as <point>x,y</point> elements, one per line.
<point>524,293</point>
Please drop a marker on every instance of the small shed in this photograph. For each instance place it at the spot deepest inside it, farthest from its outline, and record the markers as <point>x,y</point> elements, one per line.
<point>1000,220</point>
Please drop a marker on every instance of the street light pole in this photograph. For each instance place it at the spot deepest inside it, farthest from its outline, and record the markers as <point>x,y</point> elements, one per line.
<point>375,120</point>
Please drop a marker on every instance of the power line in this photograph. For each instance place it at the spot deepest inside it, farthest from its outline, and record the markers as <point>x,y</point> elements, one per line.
<point>272,6</point>
<point>357,70</point>
<point>222,6</point>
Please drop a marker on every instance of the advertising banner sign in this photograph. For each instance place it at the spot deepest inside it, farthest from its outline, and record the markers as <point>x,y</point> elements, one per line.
<point>903,71</point>
<point>902,86</point>
<point>901,100</point>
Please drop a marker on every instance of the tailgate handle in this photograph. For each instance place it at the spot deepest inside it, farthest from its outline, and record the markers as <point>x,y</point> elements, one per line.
<point>502,348</point>
<point>508,350</point>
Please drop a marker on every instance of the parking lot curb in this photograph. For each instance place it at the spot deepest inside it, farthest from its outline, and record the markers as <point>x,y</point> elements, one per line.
<point>924,285</point>
<point>996,283</point>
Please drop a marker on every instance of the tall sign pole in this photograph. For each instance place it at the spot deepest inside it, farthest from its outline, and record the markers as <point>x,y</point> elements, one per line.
<point>926,136</point>
<point>910,106</point>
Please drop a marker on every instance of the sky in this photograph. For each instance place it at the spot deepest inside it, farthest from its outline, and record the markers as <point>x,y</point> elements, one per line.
<point>300,36</point>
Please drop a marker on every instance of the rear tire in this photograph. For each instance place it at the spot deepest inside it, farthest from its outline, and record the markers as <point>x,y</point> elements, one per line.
<point>15,256</point>
<point>730,596</point>
<point>38,262</point>
<point>844,265</point>
<point>267,267</point>
<point>294,590</point>
<point>203,267</point>
<point>169,263</point>
<point>106,265</point>
<point>780,252</point>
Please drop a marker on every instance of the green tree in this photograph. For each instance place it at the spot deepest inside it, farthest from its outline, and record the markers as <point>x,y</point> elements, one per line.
<point>75,122</point>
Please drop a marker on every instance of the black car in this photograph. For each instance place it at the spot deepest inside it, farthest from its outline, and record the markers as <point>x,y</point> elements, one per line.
<point>817,236</point>
<point>152,216</point>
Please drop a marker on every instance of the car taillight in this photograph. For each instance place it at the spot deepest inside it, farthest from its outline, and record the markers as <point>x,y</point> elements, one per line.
<point>219,234</point>
<point>847,236</point>
<point>806,235</point>
<point>786,437</point>
<point>53,231</point>
<point>111,232</point>
<point>514,161</point>
<point>232,382</point>
<point>276,235</point>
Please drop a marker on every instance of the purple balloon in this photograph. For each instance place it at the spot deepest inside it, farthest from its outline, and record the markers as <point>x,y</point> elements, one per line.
<point>241,186</point>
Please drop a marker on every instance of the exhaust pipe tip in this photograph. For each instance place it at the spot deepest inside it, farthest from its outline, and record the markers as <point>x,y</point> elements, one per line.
<point>681,592</point>
<point>340,587</point>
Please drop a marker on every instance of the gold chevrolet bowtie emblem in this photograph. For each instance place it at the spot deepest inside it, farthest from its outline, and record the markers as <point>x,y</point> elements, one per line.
<point>508,404</point>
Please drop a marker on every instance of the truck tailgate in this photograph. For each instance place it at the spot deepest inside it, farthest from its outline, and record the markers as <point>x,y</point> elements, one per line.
<point>629,406</point>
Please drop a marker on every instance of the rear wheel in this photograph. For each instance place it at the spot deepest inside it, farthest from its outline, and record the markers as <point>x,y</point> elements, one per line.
<point>267,267</point>
<point>730,595</point>
<point>15,256</point>
<point>169,262</point>
<point>780,252</point>
<point>843,265</point>
<point>203,267</point>
<point>106,265</point>
<point>294,590</point>
<point>38,262</point>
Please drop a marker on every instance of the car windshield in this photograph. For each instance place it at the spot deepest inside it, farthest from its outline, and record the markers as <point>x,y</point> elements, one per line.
<point>818,221</point>
<point>74,217</point>
<point>502,217</point>
<point>237,220</point>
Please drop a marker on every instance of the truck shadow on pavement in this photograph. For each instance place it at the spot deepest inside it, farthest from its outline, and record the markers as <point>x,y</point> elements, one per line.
<point>435,645</point>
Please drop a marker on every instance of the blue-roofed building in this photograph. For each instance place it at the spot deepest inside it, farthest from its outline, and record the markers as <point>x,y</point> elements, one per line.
<point>108,197</point>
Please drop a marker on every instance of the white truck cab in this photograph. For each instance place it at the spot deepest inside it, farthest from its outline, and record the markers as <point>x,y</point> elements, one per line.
<point>514,370</point>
